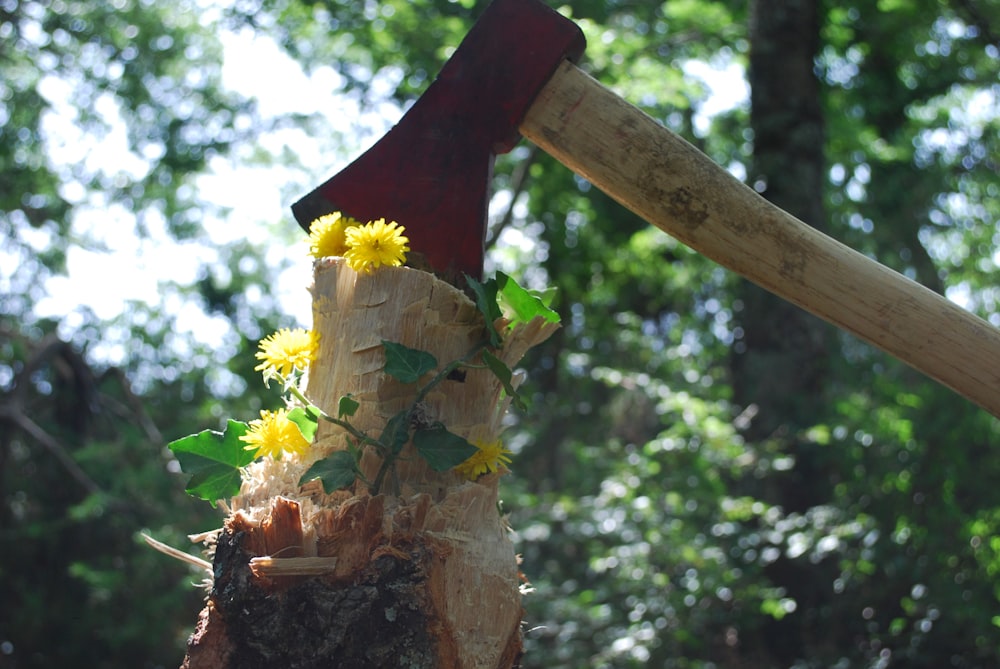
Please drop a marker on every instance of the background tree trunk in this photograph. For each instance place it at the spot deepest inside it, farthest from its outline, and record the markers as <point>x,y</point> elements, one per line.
<point>781,364</point>
<point>781,367</point>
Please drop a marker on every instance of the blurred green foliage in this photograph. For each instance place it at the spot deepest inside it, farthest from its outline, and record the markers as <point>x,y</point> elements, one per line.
<point>676,505</point>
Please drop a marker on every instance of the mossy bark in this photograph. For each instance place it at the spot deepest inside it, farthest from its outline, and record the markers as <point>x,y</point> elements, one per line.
<point>422,574</point>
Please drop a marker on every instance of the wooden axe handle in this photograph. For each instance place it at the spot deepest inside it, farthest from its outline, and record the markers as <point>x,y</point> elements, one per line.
<point>662,178</point>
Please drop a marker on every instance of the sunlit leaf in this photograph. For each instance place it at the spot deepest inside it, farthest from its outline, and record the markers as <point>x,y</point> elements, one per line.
<point>306,419</point>
<point>520,305</point>
<point>214,460</point>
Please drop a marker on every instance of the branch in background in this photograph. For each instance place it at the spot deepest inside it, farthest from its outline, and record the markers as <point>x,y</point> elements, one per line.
<point>133,407</point>
<point>518,180</point>
<point>32,429</point>
<point>974,15</point>
<point>68,364</point>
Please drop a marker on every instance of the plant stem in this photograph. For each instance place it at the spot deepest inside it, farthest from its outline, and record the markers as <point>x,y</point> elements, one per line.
<point>376,485</point>
<point>388,456</point>
<point>444,373</point>
<point>354,432</point>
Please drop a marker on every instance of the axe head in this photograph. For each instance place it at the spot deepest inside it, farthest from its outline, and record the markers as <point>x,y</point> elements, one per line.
<point>432,171</point>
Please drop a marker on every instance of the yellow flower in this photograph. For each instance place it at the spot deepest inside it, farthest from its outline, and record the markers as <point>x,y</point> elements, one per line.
<point>326,235</point>
<point>489,458</point>
<point>286,350</point>
<point>374,244</point>
<point>273,433</point>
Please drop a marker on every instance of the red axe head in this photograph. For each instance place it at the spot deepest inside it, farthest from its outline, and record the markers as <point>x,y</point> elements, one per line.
<point>432,171</point>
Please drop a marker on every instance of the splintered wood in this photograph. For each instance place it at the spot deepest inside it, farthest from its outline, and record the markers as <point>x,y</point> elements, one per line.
<point>424,578</point>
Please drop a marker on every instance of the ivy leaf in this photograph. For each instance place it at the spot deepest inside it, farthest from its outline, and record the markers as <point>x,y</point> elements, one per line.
<point>347,406</point>
<point>522,305</point>
<point>442,449</point>
<point>396,432</point>
<point>486,301</point>
<point>407,364</point>
<point>335,472</point>
<point>306,419</point>
<point>505,376</point>
<point>214,460</point>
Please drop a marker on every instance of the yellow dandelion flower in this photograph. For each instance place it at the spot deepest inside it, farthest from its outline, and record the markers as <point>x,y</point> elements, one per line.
<point>272,434</point>
<point>489,458</point>
<point>286,350</point>
<point>375,244</point>
<point>326,235</point>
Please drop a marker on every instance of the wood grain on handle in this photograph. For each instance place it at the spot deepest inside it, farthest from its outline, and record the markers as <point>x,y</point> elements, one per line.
<point>662,178</point>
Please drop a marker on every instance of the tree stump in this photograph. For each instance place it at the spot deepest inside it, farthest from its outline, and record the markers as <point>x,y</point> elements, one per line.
<point>422,574</point>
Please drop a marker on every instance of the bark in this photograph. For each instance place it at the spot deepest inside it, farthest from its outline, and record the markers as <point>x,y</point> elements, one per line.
<point>780,364</point>
<point>422,574</point>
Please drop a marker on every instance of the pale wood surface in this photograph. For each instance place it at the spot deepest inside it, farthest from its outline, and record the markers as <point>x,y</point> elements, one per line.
<point>475,581</point>
<point>353,313</point>
<point>427,565</point>
<point>471,579</point>
<point>662,178</point>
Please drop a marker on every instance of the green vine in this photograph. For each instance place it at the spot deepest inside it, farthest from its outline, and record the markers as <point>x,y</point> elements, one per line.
<point>216,461</point>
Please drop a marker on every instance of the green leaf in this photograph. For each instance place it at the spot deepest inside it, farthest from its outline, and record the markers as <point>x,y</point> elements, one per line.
<point>503,373</point>
<point>396,432</point>
<point>486,301</point>
<point>214,460</point>
<point>522,306</point>
<point>337,471</point>
<point>407,364</point>
<point>306,419</point>
<point>442,449</point>
<point>347,406</point>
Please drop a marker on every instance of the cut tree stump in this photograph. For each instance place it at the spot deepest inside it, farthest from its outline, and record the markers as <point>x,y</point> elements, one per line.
<point>421,575</point>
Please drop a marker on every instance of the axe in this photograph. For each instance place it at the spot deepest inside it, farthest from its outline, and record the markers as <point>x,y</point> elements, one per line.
<point>513,75</point>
